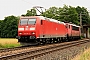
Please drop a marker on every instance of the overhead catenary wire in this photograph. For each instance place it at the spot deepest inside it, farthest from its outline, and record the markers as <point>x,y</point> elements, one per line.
<point>62,1</point>
<point>66,3</point>
<point>43,7</point>
<point>26,1</point>
<point>34,4</point>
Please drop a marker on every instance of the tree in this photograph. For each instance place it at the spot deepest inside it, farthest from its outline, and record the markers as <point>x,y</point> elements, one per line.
<point>9,27</point>
<point>84,13</point>
<point>51,12</point>
<point>0,26</point>
<point>73,15</point>
<point>62,14</point>
<point>31,12</point>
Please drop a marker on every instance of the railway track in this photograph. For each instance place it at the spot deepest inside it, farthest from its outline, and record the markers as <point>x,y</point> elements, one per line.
<point>7,51</point>
<point>31,53</point>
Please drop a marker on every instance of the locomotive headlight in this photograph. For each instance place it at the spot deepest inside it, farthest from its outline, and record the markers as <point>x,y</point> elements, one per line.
<point>33,32</point>
<point>20,33</point>
<point>33,28</point>
<point>20,28</point>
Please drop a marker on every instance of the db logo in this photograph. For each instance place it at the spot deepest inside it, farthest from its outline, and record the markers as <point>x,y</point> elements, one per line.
<point>26,28</point>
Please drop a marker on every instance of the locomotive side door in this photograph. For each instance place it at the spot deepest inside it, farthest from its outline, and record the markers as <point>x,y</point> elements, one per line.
<point>69,29</point>
<point>42,29</point>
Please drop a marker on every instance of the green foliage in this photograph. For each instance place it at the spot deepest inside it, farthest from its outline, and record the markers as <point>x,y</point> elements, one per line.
<point>9,27</point>
<point>0,26</point>
<point>51,12</point>
<point>69,14</point>
<point>63,14</point>
<point>9,45</point>
<point>31,12</point>
<point>84,14</point>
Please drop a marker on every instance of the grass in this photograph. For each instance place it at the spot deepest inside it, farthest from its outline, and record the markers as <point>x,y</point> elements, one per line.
<point>8,43</point>
<point>84,56</point>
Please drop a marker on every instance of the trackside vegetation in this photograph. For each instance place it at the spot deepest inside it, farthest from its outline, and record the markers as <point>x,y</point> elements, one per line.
<point>8,43</point>
<point>83,56</point>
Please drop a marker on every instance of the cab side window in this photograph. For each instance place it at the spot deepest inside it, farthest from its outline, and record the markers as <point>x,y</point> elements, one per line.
<point>69,26</point>
<point>66,26</point>
<point>41,22</point>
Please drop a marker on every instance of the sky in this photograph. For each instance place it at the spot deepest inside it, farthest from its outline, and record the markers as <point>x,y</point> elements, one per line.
<point>19,7</point>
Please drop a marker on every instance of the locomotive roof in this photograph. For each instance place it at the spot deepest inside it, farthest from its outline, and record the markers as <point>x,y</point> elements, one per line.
<point>52,20</point>
<point>45,18</point>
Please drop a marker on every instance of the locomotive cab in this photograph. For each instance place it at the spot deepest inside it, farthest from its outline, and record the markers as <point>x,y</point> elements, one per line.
<point>27,29</point>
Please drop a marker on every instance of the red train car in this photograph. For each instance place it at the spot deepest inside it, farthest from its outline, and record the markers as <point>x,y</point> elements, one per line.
<point>40,30</point>
<point>73,31</point>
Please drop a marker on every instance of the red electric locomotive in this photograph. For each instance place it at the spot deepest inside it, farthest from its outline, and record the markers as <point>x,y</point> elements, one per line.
<point>41,30</point>
<point>73,31</point>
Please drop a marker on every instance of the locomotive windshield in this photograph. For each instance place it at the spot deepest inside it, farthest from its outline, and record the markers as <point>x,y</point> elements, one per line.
<point>23,21</point>
<point>27,21</point>
<point>32,21</point>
